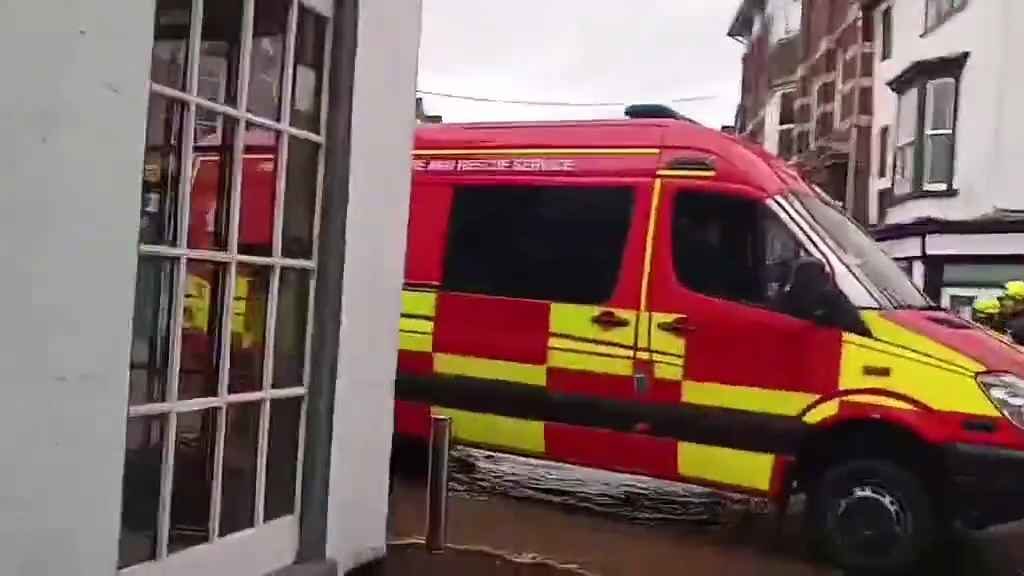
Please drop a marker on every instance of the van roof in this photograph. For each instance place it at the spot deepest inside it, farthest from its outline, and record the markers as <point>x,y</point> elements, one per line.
<point>750,164</point>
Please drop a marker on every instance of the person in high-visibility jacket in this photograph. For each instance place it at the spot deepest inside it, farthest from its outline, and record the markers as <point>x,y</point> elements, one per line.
<point>1013,304</point>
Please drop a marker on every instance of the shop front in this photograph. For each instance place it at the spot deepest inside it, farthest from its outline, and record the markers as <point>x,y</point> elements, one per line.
<point>958,262</point>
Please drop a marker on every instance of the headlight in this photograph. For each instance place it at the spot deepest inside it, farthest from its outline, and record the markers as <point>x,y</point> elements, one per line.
<point>1006,391</point>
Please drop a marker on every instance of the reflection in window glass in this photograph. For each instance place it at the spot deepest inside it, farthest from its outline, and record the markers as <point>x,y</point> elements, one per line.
<point>193,475</point>
<point>140,499</point>
<point>200,330</point>
<point>211,184</point>
<point>282,458</point>
<point>290,332</point>
<point>220,51</point>
<point>259,191</point>
<point>151,330</point>
<point>309,69</point>
<point>170,43</point>
<point>300,198</point>
<point>248,328</point>
<point>558,244</point>
<point>267,68</point>
<point>238,492</point>
<point>161,173</point>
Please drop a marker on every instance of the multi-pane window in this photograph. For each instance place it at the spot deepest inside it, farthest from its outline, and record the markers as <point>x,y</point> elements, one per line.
<point>925,137</point>
<point>231,190</point>
<point>562,244</point>
<point>938,11</point>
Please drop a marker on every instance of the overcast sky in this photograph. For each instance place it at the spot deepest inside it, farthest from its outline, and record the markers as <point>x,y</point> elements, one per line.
<point>579,51</point>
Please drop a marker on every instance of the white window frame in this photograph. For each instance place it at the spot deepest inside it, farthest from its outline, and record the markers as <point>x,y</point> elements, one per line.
<point>180,255</point>
<point>930,132</point>
<point>904,182</point>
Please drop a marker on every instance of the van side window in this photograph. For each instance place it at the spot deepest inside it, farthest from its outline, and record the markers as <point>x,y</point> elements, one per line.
<point>732,248</point>
<point>562,244</point>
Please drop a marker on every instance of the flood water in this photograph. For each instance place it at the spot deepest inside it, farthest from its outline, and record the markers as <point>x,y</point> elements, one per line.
<point>616,524</point>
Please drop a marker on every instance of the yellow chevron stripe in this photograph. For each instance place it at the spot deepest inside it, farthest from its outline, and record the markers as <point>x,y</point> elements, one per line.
<point>532,374</point>
<point>761,400</point>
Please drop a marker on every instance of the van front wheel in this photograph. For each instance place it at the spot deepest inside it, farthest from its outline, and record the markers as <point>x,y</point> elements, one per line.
<point>871,516</point>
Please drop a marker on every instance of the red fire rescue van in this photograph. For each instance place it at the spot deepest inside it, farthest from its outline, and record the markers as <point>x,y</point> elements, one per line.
<point>654,297</point>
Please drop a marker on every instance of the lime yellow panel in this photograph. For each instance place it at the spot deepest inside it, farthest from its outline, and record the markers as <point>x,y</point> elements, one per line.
<point>666,342</point>
<point>577,320</point>
<point>590,363</point>
<point>419,303</point>
<point>888,331</point>
<point>644,331</point>
<point>490,369</point>
<point>668,371</point>
<point>524,436</point>
<point>726,466</point>
<point>415,342</point>
<point>761,400</point>
<point>828,409</point>
<point>942,387</point>
<point>822,411</point>
<point>416,325</point>
<point>567,344</point>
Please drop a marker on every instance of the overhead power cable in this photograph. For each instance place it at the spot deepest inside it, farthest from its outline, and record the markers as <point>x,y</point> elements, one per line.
<point>553,103</point>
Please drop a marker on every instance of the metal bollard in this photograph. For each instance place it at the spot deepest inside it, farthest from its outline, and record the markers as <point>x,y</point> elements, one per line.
<point>437,484</point>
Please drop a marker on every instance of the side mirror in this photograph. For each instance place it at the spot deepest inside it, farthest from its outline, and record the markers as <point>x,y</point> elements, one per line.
<point>812,295</point>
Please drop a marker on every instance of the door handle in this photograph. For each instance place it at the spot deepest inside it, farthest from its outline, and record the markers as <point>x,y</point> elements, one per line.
<point>679,325</point>
<point>607,319</point>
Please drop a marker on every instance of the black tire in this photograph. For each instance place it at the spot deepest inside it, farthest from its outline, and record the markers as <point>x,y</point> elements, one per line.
<point>871,517</point>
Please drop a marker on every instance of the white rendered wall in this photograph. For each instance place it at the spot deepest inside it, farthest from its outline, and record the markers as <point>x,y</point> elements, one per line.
<point>72,126</point>
<point>382,135</point>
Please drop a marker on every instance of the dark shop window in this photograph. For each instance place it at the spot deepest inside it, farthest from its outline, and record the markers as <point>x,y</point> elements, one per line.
<point>563,244</point>
<point>732,248</point>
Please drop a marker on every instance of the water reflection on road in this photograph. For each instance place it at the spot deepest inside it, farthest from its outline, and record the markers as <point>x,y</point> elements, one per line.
<point>614,524</point>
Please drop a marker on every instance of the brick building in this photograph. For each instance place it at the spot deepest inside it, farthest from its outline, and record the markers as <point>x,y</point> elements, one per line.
<point>806,92</point>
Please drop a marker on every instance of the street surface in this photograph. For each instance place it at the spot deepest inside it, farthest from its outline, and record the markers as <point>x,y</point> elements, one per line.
<point>613,524</point>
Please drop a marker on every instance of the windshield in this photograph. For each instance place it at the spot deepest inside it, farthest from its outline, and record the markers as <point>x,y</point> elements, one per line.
<point>861,253</point>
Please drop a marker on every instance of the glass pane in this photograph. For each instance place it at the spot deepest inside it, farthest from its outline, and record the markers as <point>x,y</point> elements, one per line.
<point>220,50</point>
<point>238,488</point>
<point>282,457</point>
<point>907,125</point>
<point>259,191</point>
<point>941,100</point>
<point>200,330</point>
<point>939,158</point>
<point>300,198</point>
<point>140,491</point>
<point>269,26</point>
<point>170,43</point>
<point>193,478</point>
<point>248,328</point>
<point>151,330</point>
<point>161,173</point>
<point>211,184</point>
<point>309,68</point>
<point>290,331</point>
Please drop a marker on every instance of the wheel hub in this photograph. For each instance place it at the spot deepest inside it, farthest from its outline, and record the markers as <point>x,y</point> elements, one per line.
<point>871,521</point>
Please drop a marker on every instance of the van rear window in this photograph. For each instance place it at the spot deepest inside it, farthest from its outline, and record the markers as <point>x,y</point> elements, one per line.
<point>562,244</point>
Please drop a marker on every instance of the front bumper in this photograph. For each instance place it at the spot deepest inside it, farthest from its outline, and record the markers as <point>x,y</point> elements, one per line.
<point>986,484</point>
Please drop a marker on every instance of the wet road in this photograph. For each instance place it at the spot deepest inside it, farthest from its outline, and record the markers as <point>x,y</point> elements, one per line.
<point>614,524</point>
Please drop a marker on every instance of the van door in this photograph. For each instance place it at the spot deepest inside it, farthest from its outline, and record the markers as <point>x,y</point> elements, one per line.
<point>744,370</point>
<point>538,305</point>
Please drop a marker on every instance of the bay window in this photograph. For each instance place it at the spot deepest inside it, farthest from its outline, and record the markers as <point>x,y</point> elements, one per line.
<point>925,133</point>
